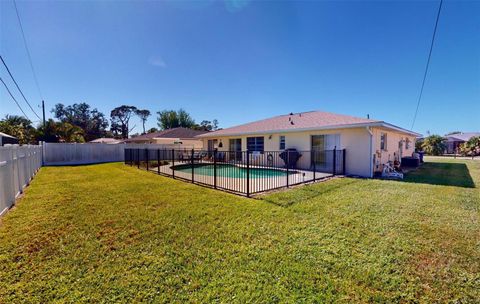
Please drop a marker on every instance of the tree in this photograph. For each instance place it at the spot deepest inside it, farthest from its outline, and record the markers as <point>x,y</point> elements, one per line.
<point>168,119</point>
<point>152,130</point>
<point>471,147</point>
<point>48,133</point>
<point>184,119</point>
<point>57,131</point>
<point>207,125</point>
<point>120,117</point>
<point>91,121</point>
<point>69,133</point>
<point>20,127</point>
<point>433,145</point>
<point>143,114</point>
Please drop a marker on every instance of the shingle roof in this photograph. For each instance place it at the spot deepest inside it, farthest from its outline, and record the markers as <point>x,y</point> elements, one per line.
<point>291,122</point>
<point>182,133</point>
<point>105,140</point>
<point>463,136</point>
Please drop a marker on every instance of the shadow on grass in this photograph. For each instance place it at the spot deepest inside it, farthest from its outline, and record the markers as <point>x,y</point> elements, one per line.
<point>289,197</point>
<point>442,173</point>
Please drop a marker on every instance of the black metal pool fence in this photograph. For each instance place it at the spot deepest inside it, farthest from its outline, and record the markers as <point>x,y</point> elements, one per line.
<point>241,172</point>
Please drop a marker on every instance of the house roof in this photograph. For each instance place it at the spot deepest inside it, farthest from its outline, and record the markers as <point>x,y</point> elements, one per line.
<point>105,140</point>
<point>181,133</point>
<point>294,122</point>
<point>463,136</point>
<point>6,135</point>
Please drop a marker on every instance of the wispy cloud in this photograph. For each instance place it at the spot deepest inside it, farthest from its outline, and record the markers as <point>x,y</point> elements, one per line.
<point>157,61</point>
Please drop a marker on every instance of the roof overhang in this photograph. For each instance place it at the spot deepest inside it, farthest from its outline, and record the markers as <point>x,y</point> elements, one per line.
<point>380,124</point>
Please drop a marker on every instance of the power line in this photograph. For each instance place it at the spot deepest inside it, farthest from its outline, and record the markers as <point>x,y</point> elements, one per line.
<point>28,51</point>
<point>428,63</point>
<point>8,70</point>
<point>18,105</point>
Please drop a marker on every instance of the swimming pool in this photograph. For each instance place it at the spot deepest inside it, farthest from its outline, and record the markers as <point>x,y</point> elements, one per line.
<point>226,170</point>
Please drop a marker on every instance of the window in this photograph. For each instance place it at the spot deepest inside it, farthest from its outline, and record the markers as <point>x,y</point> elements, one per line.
<point>407,143</point>
<point>383,141</point>
<point>282,142</point>
<point>255,144</point>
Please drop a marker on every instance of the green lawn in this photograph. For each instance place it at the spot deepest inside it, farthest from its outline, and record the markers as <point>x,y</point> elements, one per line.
<point>115,233</point>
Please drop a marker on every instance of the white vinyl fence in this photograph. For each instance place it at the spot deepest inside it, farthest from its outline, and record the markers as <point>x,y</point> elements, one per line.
<point>18,165</point>
<point>90,153</point>
<point>79,154</point>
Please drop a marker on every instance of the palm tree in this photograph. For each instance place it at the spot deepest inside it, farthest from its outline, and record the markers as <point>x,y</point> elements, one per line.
<point>433,145</point>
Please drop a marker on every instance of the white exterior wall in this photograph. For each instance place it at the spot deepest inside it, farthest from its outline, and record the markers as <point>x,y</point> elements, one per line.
<point>356,141</point>
<point>393,150</point>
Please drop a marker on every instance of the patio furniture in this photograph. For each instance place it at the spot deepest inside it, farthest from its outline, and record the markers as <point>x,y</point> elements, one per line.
<point>389,171</point>
<point>290,158</point>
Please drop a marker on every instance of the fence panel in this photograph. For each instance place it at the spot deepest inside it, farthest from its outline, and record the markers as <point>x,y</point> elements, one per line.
<point>242,172</point>
<point>77,154</point>
<point>18,165</point>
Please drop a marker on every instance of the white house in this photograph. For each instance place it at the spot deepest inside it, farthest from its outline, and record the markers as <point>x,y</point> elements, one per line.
<point>368,143</point>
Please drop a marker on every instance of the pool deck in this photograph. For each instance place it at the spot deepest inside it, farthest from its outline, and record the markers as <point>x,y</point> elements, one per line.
<point>256,184</point>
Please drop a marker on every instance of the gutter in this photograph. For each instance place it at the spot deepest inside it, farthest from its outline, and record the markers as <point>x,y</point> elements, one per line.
<point>333,127</point>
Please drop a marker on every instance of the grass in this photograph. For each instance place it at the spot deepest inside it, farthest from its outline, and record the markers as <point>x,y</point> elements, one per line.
<point>112,233</point>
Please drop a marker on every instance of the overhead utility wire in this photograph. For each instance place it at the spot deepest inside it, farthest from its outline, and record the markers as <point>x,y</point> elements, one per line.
<point>428,63</point>
<point>18,105</point>
<point>8,70</point>
<point>28,51</point>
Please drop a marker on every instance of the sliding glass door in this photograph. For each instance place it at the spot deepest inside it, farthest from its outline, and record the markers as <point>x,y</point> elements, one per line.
<point>322,146</point>
<point>235,148</point>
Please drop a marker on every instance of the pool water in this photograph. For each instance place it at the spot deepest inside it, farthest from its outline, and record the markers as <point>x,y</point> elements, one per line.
<point>233,171</point>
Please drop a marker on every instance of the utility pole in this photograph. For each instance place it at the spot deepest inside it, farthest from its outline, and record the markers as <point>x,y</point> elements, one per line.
<point>43,111</point>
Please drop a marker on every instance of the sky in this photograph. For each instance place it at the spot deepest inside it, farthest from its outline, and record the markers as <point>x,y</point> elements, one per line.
<point>239,61</point>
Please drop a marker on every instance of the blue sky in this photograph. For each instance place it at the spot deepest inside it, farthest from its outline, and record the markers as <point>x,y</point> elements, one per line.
<point>238,61</point>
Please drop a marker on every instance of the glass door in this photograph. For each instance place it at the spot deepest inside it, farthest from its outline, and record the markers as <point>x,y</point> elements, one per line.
<point>212,144</point>
<point>322,146</point>
<point>235,147</point>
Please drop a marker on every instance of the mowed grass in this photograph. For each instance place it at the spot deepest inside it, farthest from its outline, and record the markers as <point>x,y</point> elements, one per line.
<point>112,233</point>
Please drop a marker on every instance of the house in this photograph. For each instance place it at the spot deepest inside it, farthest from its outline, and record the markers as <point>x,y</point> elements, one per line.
<point>178,136</point>
<point>368,143</point>
<point>105,140</point>
<point>6,139</point>
<point>453,141</point>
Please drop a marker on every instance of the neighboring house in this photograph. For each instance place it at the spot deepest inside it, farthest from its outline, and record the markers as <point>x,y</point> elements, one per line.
<point>453,141</point>
<point>6,139</point>
<point>177,136</point>
<point>105,140</point>
<point>368,143</point>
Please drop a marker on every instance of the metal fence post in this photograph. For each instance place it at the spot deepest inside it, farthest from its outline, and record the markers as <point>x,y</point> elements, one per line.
<point>334,160</point>
<point>343,162</point>
<point>288,165</point>
<point>158,161</point>
<point>248,173</point>
<point>147,158</point>
<point>215,168</point>
<point>314,165</point>
<point>193,170</point>
<point>173,163</point>
<point>138,158</point>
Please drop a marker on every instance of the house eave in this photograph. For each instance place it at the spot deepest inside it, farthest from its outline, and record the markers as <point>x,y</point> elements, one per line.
<point>333,127</point>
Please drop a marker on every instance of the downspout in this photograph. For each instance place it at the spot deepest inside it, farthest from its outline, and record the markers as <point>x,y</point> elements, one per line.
<point>371,152</point>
